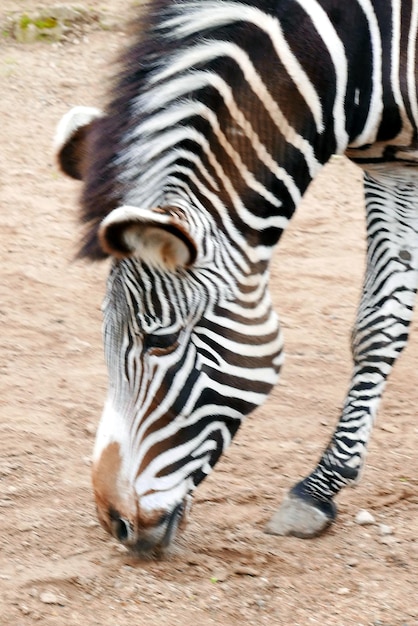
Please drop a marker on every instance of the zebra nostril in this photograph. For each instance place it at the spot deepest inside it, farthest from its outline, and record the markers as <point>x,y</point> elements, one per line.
<point>121,529</point>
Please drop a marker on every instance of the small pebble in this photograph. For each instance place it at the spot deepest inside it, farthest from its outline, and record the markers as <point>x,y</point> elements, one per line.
<point>24,609</point>
<point>387,540</point>
<point>385,530</point>
<point>243,570</point>
<point>343,591</point>
<point>48,597</point>
<point>364,518</point>
<point>90,428</point>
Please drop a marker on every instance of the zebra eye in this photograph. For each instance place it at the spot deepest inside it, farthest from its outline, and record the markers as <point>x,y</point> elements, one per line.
<point>161,344</point>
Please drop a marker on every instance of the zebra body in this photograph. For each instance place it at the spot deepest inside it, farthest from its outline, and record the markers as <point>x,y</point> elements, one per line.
<point>222,114</point>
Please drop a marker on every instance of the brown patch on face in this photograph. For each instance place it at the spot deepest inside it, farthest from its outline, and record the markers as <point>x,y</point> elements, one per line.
<point>106,470</point>
<point>105,483</point>
<point>115,497</point>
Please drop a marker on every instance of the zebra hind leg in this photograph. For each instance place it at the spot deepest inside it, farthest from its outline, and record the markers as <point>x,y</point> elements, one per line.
<point>379,335</point>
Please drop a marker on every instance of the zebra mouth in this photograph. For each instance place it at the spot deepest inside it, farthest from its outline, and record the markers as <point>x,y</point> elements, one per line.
<point>148,542</point>
<point>172,524</point>
<point>157,543</point>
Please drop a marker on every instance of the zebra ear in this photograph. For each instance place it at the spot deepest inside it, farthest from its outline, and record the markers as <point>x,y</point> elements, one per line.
<point>159,237</point>
<point>70,139</point>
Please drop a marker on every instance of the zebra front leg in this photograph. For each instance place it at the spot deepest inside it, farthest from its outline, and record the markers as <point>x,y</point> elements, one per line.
<point>379,335</point>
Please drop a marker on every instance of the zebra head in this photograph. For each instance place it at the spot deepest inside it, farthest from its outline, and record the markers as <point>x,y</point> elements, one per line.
<point>192,345</point>
<point>185,366</point>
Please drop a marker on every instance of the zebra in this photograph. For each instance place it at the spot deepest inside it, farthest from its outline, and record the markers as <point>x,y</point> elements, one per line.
<point>222,113</point>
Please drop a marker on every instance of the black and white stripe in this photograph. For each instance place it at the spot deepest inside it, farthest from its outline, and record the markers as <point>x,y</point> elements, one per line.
<point>224,111</point>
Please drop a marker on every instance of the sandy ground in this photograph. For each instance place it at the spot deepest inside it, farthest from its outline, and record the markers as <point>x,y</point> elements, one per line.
<point>57,566</point>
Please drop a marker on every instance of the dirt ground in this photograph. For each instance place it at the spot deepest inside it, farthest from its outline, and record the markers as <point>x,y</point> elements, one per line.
<point>57,566</point>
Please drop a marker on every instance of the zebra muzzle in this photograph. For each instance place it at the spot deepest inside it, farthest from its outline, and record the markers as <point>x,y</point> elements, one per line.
<point>153,540</point>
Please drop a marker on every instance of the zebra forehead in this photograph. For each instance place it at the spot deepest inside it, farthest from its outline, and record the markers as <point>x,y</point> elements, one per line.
<point>153,297</point>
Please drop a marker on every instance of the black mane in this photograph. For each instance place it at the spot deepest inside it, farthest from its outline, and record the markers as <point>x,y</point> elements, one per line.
<point>101,192</point>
